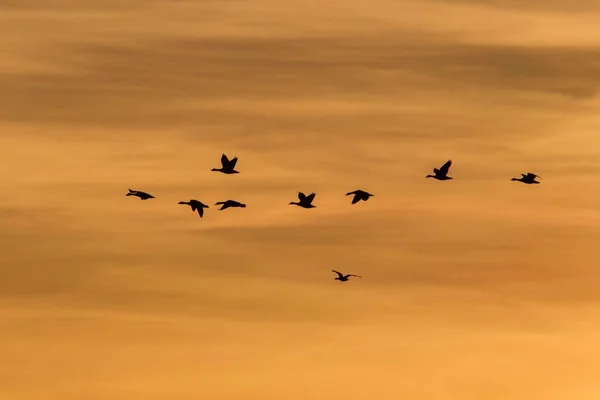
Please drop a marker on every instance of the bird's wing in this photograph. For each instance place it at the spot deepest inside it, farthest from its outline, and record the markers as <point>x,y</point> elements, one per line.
<point>446,167</point>
<point>131,191</point>
<point>224,161</point>
<point>339,273</point>
<point>301,196</point>
<point>200,211</point>
<point>356,198</point>
<point>354,276</point>
<point>310,197</point>
<point>533,176</point>
<point>232,162</point>
<point>219,203</point>
<point>349,193</point>
<point>193,205</point>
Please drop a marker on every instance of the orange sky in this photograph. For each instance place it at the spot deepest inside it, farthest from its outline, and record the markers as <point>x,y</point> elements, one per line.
<point>476,288</point>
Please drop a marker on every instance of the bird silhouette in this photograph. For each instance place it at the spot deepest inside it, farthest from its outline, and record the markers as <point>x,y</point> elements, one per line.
<point>442,173</point>
<point>229,203</point>
<point>359,195</point>
<point>227,165</point>
<point>343,278</point>
<point>305,201</point>
<point>141,195</point>
<point>528,178</point>
<point>196,206</point>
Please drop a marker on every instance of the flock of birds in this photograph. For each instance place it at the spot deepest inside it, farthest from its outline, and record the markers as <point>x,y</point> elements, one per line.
<point>305,201</point>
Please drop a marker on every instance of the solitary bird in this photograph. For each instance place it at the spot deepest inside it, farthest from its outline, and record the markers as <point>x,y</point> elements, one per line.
<point>227,165</point>
<point>528,178</point>
<point>229,203</point>
<point>343,278</point>
<point>359,195</point>
<point>305,201</point>
<point>196,206</point>
<point>442,173</point>
<point>141,195</point>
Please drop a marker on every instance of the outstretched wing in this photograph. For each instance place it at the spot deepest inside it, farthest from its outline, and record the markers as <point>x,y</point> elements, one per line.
<point>224,161</point>
<point>200,211</point>
<point>310,197</point>
<point>354,276</point>
<point>533,176</point>
<point>337,272</point>
<point>232,162</point>
<point>301,196</point>
<point>131,191</point>
<point>357,198</point>
<point>446,167</point>
<point>193,205</point>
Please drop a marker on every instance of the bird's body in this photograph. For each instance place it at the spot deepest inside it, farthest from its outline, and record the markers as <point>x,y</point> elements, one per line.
<point>442,173</point>
<point>343,278</point>
<point>305,201</point>
<point>528,178</point>
<point>227,165</point>
<point>359,195</point>
<point>141,195</point>
<point>229,203</point>
<point>196,206</point>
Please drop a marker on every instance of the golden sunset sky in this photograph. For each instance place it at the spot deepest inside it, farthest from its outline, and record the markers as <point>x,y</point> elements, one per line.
<point>475,288</point>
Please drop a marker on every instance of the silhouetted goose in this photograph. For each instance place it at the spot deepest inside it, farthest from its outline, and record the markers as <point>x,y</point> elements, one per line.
<point>305,201</point>
<point>359,195</point>
<point>141,195</point>
<point>229,203</point>
<point>442,173</point>
<point>227,165</point>
<point>196,206</point>
<point>343,278</point>
<point>528,178</point>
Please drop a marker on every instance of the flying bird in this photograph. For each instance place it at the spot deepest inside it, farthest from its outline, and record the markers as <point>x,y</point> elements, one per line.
<point>305,201</point>
<point>359,195</point>
<point>227,165</point>
<point>141,195</point>
<point>343,278</point>
<point>442,173</point>
<point>528,178</point>
<point>196,206</point>
<point>229,203</point>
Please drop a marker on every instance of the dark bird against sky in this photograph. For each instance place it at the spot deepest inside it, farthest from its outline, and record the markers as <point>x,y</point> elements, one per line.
<point>305,201</point>
<point>359,195</point>
<point>343,278</point>
<point>528,178</point>
<point>229,203</point>
<point>140,194</point>
<point>442,173</point>
<point>227,165</point>
<point>196,206</point>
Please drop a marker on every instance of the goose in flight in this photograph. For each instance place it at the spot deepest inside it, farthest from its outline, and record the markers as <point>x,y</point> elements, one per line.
<point>343,278</point>
<point>442,173</point>
<point>229,203</point>
<point>141,195</point>
<point>305,201</point>
<point>528,178</point>
<point>359,195</point>
<point>196,206</point>
<point>227,165</point>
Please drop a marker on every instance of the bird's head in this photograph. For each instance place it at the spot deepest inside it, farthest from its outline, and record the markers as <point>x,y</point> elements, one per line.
<point>514,179</point>
<point>215,169</point>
